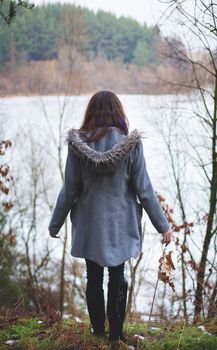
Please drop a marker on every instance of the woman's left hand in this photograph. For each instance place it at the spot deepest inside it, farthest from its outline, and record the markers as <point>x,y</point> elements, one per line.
<point>167,236</point>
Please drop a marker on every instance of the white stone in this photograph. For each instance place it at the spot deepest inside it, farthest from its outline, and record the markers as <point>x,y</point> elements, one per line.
<point>202,328</point>
<point>77,319</point>
<point>139,336</point>
<point>10,342</point>
<point>155,329</point>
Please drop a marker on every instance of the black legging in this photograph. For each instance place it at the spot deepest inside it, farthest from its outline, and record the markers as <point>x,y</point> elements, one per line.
<point>95,274</point>
<point>95,298</point>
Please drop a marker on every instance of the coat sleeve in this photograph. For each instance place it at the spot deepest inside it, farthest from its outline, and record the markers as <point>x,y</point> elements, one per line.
<point>143,188</point>
<point>68,193</point>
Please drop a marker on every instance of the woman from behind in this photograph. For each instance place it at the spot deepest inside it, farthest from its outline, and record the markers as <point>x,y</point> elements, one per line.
<point>106,187</point>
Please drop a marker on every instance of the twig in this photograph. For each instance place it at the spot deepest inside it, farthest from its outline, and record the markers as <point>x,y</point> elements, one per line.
<point>152,304</point>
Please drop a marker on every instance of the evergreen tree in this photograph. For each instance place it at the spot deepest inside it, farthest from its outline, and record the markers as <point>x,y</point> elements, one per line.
<point>141,55</point>
<point>38,35</point>
<point>8,8</point>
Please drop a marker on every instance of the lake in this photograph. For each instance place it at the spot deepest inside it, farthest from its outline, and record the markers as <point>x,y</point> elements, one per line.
<point>33,125</point>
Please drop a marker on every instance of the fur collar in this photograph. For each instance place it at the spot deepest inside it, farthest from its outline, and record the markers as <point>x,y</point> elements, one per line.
<point>107,159</point>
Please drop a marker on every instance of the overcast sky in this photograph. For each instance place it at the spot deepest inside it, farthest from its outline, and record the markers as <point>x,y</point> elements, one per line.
<point>145,11</point>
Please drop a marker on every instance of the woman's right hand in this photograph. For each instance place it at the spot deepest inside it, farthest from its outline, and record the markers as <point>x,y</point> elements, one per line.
<point>167,236</point>
<point>54,235</point>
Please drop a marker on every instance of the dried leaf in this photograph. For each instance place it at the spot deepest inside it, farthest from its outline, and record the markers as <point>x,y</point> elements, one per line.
<point>184,248</point>
<point>53,316</point>
<point>193,265</point>
<point>165,268</point>
<point>7,205</point>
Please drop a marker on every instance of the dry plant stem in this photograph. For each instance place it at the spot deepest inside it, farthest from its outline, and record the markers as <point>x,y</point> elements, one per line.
<point>150,315</point>
<point>152,304</point>
<point>178,347</point>
<point>137,343</point>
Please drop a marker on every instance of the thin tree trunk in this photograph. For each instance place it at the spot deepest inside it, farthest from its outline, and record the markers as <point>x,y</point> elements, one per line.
<point>212,310</point>
<point>211,214</point>
<point>184,220</point>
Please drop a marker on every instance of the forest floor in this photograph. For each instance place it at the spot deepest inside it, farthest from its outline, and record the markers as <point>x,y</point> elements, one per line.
<point>32,332</point>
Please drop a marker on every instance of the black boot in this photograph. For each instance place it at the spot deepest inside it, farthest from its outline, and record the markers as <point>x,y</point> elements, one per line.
<point>116,306</point>
<point>96,309</point>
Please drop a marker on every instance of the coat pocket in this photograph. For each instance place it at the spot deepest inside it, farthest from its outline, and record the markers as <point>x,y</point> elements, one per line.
<point>73,212</point>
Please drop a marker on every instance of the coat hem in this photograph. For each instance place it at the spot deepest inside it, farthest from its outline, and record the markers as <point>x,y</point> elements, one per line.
<point>81,256</point>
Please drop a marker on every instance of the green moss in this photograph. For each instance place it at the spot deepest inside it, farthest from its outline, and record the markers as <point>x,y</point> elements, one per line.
<point>188,338</point>
<point>29,334</point>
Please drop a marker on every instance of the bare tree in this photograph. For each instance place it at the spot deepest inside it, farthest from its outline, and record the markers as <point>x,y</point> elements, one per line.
<point>73,46</point>
<point>28,196</point>
<point>200,23</point>
<point>57,138</point>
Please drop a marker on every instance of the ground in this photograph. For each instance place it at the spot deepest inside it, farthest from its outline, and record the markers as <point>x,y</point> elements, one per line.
<point>34,332</point>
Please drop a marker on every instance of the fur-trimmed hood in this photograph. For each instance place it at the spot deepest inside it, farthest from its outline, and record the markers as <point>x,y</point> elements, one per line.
<point>105,155</point>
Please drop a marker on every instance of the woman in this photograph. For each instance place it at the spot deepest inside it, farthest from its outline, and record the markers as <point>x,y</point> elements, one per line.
<point>106,186</point>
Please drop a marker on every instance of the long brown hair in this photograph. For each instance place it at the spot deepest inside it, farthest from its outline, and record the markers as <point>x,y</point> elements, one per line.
<point>103,111</point>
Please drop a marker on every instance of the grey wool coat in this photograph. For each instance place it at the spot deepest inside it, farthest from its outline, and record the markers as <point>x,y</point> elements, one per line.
<point>106,187</point>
